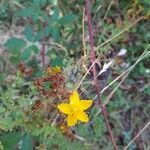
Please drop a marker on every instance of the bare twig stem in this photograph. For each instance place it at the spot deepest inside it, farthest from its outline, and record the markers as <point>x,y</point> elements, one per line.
<point>92,59</point>
<point>83,34</point>
<point>43,55</point>
<point>145,127</point>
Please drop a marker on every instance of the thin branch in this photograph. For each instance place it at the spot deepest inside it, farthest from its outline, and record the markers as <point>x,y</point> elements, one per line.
<point>83,34</point>
<point>17,4</point>
<point>110,4</point>
<point>43,55</point>
<point>92,59</point>
<point>83,40</point>
<point>137,136</point>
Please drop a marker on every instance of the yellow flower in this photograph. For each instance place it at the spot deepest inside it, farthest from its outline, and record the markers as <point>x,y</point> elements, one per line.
<point>56,69</point>
<point>53,70</point>
<point>75,109</point>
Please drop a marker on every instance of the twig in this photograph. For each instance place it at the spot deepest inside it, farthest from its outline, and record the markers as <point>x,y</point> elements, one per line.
<point>137,136</point>
<point>109,6</point>
<point>92,59</point>
<point>43,55</point>
<point>83,39</point>
<point>18,4</point>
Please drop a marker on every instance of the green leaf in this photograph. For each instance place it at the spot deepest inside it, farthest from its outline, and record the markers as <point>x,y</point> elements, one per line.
<point>47,85</point>
<point>57,62</point>
<point>38,36</point>
<point>9,140</point>
<point>26,12</point>
<point>55,15</point>
<point>56,33</point>
<point>15,44</point>
<point>26,143</point>
<point>69,18</point>
<point>1,146</point>
<point>39,3</point>
<point>53,2</point>
<point>56,58</point>
<point>38,73</point>
<point>29,12</point>
<point>34,49</point>
<point>141,69</point>
<point>2,77</point>
<point>29,33</point>
<point>26,54</point>
<point>2,109</point>
<point>15,58</point>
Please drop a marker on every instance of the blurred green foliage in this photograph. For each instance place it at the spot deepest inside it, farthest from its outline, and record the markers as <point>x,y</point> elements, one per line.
<point>58,25</point>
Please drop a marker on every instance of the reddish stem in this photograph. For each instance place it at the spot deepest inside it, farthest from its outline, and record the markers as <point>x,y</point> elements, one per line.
<point>43,55</point>
<point>93,59</point>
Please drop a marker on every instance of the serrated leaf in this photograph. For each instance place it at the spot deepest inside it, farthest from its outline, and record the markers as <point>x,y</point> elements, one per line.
<point>69,18</point>
<point>15,44</point>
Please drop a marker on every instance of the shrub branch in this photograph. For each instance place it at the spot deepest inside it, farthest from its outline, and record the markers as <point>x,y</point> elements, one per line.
<point>43,55</point>
<point>93,59</point>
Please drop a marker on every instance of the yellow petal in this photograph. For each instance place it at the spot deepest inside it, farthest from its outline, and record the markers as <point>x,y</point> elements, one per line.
<point>84,104</point>
<point>56,69</point>
<point>71,120</point>
<point>65,108</point>
<point>74,98</point>
<point>82,116</point>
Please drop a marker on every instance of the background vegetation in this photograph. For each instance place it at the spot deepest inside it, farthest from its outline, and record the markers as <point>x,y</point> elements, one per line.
<point>38,33</point>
